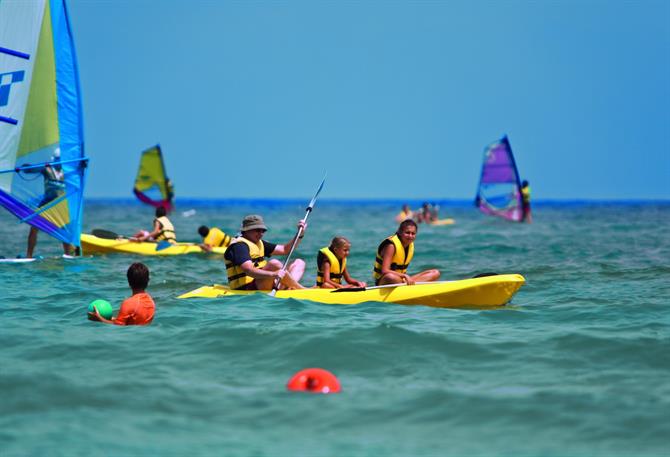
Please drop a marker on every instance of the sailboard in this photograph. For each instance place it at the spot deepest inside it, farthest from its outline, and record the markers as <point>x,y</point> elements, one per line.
<point>499,190</point>
<point>152,186</point>
<point>42,161</point>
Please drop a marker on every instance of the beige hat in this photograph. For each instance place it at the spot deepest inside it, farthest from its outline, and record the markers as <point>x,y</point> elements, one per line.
<point>251,222</point>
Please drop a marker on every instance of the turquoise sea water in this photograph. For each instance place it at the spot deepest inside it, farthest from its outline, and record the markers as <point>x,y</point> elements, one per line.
<point>578,364</point>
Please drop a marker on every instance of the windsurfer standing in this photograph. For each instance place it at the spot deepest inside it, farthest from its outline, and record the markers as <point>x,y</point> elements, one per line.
<point>525,202</point>
<point>54,187</point>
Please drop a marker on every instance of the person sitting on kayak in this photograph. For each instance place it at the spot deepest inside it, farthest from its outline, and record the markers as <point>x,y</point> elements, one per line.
<point>331,265</point>
<point>405,213</point>
<point>139,308</point>
<point>246,264</point>
<point>163,229</point>
<point>213,238</point>
<point>394,255</point>
<point>525,202</point>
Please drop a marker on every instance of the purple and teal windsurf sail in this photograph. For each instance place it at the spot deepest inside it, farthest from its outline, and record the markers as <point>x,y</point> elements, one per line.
<point>42,162</point>
<point>499,192</point>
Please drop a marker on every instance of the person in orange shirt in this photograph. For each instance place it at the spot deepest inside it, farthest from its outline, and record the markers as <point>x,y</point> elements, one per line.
<point>139,308</point>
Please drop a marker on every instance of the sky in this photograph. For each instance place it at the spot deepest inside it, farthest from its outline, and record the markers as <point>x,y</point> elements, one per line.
<point>393,99</point>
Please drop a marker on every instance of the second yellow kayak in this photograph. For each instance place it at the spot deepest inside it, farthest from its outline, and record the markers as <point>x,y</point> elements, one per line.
<point>91,244</point>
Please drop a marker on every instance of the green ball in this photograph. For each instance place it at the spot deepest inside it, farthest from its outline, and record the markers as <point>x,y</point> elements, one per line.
<point>104,308</point>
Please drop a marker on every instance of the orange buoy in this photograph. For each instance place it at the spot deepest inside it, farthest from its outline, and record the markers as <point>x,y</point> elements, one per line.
<point>316,380</point>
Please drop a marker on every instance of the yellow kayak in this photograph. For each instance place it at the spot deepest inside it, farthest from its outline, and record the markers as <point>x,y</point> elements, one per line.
<point>486,291</point>
<point>92,244</point>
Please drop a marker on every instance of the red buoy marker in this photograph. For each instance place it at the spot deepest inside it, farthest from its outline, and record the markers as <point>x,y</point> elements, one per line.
<point>316,380</point>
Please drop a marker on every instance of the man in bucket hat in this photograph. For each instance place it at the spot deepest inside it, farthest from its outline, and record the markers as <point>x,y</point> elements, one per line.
<point>246,259</point>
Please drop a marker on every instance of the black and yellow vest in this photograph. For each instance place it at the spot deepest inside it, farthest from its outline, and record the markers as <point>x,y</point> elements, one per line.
<point>400,261</point>
<point>217,238</point>
<point>525,194</point>
<point>336,269</point>
<point>237,278</point>
<point>167,230</point>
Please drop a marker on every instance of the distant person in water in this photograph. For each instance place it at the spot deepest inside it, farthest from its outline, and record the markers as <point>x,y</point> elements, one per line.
<point>525,202</point>
<point>139,308</point>
<point>394,256</point>
<point>405,213</point>
<point>213,238</point>
<point>163,229</point>
<point>246,264</point>
<point>331,265</point>
<point>54,188</point>
<point>426,214</point>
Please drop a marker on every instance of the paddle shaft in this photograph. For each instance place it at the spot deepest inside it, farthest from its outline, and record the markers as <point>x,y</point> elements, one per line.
<point>309,209</point>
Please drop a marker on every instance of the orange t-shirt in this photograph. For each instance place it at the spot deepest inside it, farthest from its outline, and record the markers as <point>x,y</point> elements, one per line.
<point>136,310</point>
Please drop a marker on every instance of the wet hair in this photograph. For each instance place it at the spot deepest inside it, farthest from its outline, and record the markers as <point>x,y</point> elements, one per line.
<point>161,211</point>
<point>524,183</point>
<point>203,230</point>
<point>406,223</point>
<point>138,276</point>
<point>338,241</point>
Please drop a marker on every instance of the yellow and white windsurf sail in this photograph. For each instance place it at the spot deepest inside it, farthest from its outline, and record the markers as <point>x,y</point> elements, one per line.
<point>42,162</point>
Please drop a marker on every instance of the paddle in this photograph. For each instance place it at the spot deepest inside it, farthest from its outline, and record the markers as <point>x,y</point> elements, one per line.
<point>105,234</point>
<point>275,285</point>
<point>384,286</point>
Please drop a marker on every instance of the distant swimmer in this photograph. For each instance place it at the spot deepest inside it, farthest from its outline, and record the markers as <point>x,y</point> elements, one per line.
<point>525,202</point>
<point>139,308</point>
<point>213,238</point>
<point>246,264</point>
<point>394,256</point>
<point>163,229</point>
<point>429,215</point>
<point>405,213</point>
<point>331,265</point>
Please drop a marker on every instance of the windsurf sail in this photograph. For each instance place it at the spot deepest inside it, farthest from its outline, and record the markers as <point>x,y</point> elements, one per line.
<point>42,162</point>
<point>152,186</point>
<point>499,191</point>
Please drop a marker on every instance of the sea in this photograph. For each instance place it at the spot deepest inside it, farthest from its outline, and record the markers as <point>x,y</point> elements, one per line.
<point>578,364</point>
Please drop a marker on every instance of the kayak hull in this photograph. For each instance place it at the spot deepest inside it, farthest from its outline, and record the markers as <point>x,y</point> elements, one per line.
<point>91,244</point>
<point>488,291</point>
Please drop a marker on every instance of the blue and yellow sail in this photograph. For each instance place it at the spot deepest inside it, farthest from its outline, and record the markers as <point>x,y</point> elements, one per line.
<point>42,161</point>
<point>152,186</point>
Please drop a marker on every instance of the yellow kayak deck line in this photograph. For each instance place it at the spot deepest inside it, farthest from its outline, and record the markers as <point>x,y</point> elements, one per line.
<point>91,244</point>
<point>487,291</point>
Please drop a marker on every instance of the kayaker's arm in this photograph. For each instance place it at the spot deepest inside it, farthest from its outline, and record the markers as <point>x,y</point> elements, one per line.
<point>284,249</point>
<point>352,281</point>
<point>258,273</point>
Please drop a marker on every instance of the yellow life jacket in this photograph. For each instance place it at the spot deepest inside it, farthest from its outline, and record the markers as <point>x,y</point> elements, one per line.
<point>167,230</point>
<point>400,261</point>
<point>336,269</point>
<point>217,238</point>
<point>525,194</point>
<point>237,278</point>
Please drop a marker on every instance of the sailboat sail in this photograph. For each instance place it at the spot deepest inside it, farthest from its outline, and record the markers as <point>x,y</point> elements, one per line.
<point>42,162</point>
<point>499,191</point>
<point>152,186</point>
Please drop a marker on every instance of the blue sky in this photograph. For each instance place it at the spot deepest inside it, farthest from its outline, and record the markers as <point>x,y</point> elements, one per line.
<point>395,99</point>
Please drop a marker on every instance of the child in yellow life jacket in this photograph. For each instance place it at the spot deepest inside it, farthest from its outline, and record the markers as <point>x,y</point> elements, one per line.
<point>213,238</point>
<point>331,265</point>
